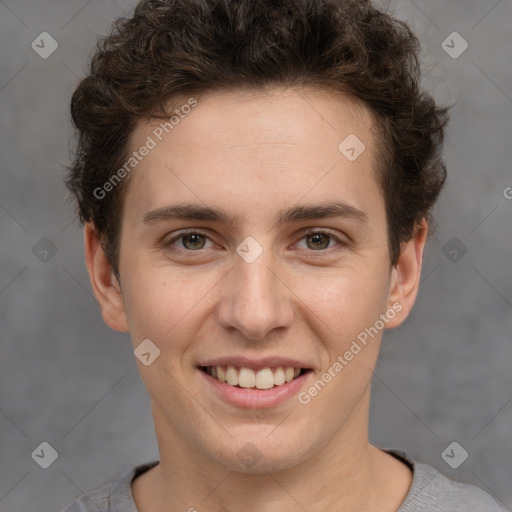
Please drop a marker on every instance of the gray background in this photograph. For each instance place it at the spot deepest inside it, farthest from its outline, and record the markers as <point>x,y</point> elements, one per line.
<point>67,379</point>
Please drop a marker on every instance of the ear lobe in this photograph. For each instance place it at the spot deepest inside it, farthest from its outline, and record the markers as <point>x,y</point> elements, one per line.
<point>405,276</point>
<point>106,288</point>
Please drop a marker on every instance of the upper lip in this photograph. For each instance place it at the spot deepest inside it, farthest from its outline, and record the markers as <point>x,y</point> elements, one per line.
<point>255,364</point>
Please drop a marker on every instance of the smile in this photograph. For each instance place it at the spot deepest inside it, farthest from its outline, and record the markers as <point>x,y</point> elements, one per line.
<point>264,378</point>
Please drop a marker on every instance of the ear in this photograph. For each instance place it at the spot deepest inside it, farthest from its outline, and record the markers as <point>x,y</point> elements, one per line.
<point>405,276</point>
<point>106,288</point>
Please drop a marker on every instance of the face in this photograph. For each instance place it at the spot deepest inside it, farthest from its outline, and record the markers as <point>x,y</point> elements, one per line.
<point>279,250</point>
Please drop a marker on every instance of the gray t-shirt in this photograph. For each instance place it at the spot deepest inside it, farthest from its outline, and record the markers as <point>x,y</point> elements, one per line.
<point>430,492</point>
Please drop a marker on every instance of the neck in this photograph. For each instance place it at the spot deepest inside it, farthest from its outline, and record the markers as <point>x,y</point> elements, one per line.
<point>344,473</point>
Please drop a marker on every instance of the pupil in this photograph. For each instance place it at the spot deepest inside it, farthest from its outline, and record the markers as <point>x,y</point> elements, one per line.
<point>195,237</point>
<point>316,237</point>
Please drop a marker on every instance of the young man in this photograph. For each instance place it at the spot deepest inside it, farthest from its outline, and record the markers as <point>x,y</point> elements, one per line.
<point>256,180</point>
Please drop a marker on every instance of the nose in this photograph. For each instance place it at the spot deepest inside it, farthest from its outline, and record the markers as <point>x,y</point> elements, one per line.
<point>255,299</point>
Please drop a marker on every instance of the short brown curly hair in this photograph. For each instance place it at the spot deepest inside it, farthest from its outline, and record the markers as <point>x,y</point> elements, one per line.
<point>174,47</point>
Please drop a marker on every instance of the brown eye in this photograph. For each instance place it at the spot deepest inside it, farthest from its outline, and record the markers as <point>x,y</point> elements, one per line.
<point>196,241</point>
<point>318,240</point>
<point>190,241</point>
<point>323,243</point>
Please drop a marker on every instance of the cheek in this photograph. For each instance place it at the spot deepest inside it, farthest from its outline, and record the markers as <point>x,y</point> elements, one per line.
<point>155,304</point>
<point>346,320</point>
<point>337,302</point>
<point>344,299</point>
<point>160,302</point>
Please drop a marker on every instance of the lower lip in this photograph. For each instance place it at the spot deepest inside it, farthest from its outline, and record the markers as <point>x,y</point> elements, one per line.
<point>256,398</point>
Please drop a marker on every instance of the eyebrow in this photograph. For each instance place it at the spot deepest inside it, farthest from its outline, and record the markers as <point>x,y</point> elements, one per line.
<point>190,211</point>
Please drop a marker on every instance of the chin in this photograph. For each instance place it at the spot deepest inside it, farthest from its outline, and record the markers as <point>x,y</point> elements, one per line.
<point>258,453</point>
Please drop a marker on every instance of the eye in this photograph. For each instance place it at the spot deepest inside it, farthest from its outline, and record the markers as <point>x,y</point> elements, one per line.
<point>191,240</point>
<point>319,240</point>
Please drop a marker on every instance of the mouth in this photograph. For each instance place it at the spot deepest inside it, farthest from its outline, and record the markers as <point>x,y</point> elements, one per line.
<point>248,378</point>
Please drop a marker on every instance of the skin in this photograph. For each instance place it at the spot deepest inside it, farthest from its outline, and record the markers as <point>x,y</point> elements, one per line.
<point>254,153</point>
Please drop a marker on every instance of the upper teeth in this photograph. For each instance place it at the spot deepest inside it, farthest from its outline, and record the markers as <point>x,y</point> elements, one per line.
<point>265,378</point>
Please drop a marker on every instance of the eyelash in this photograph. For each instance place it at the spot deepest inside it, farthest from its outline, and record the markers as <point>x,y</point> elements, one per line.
<point>169,244</point>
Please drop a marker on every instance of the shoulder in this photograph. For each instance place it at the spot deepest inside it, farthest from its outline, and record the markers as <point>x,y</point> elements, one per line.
<point>439,493</point>
<point>114,496</point>
<point>93,501</point>
<point>431,491</point>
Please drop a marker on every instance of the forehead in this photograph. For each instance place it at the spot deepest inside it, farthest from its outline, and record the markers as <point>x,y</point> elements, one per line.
<point>253,148</point>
